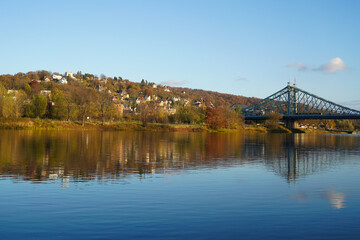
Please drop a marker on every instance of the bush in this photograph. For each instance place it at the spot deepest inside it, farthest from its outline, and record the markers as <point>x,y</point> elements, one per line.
<point>215,118</point>
<point>272,120</point>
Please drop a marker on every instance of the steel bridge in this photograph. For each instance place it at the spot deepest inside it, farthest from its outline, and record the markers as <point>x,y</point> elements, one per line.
<point>293,103</point>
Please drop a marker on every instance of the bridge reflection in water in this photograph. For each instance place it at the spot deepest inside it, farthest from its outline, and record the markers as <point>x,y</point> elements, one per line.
<point>115,156</point>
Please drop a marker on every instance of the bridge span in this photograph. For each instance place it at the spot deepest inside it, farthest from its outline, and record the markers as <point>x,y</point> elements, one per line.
<point>293,104</point>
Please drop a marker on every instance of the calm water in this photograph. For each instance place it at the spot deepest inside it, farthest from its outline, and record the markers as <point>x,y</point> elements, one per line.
<point>135,185</point>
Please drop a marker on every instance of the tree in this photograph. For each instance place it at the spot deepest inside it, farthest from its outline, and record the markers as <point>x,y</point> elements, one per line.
<point>184,115</point>
<point>39,105</point>
<point>344,124</point>
<point>8,103</point>
<point>2,94</point>
<point>215,119</point>
<point>12,104</point>
<point>234,117</point>
<point>148,92</point>
<point>27,89</point>
<point>69,104</point>
<point>272,120</point>
<point>105,104</point>
<point>146,111</point>
<point>102,76</point>
<point>60,110</point>
<point>32,76</point>
<point>20,98</point>
<point>83,97</point>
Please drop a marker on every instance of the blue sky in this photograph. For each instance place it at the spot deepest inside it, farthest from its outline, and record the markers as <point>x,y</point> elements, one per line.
<point>248,48</point>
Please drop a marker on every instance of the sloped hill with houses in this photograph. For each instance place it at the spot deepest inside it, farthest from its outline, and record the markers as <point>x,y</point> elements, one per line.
<point>69,96</point>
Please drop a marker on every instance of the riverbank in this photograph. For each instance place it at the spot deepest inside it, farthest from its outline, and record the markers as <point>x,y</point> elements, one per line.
<point>47,124</point>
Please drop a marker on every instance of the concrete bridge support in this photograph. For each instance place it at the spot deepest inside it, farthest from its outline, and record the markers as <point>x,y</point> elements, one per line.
<point>291,123</point>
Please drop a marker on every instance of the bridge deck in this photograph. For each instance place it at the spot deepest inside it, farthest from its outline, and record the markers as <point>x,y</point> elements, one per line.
<point>307,116</point>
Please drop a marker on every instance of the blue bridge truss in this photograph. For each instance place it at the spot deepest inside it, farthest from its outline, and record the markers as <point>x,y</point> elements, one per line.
<point>293,103</point>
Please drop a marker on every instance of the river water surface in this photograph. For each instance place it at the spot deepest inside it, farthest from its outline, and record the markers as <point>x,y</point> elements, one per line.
<point>146,185</point>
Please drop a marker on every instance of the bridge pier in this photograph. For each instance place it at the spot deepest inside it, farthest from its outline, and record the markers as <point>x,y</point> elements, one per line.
<point>291,123</point>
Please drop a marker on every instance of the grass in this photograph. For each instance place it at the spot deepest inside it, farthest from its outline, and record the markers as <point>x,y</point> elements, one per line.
<point>48,124</point>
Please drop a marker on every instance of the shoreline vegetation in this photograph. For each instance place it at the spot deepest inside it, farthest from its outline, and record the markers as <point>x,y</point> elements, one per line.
<point>49,124</point>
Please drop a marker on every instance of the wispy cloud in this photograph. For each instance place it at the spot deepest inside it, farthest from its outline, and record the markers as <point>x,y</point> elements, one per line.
<point>241,79</point>
<point>334,65</point>
<point>299,66</point>
<point>173,83</point>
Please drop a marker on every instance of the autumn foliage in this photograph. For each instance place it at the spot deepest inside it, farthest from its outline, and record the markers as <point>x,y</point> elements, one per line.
<point>215,118</point>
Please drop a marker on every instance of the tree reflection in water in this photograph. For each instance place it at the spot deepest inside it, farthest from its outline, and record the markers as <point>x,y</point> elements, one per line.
<point>105,155</point>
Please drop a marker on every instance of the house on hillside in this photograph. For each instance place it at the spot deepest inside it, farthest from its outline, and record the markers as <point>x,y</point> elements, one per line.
<point>114,99</point>
<point>47,79</point>
<point>210,105</point>
<point>124,94</point>
<point>197,103</point>
<point>63,80</point>
<point>175,99</point>
<point>69,74</point>
<point>100,88</point>
<point>57,76</point>
<point>137,100</point>
<point>45,92</point>
<point>160,103</point>
<point>127,108</point>
<point>12,91</point>
<point>171,111</point>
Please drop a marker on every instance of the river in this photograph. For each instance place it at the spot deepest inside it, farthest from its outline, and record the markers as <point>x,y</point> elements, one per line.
<point>164,185</point>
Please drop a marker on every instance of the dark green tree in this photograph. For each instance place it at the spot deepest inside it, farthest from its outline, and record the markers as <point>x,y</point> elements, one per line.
<point>39,105</point>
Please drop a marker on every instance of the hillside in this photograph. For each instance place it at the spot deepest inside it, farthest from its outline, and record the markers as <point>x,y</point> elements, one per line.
<point>87,97</point>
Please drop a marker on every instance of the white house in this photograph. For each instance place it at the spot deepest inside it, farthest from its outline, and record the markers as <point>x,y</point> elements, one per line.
<point>69,74</point>
<point>175,99</point>
<point>124,94</point>
<point>56,76</point>
<point>63,81</point>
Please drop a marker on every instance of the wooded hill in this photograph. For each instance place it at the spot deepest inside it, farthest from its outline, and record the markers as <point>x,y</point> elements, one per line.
<point>44,94</point>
